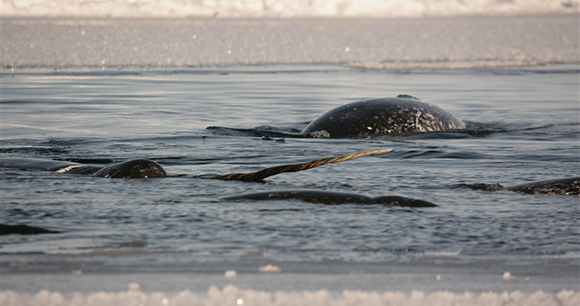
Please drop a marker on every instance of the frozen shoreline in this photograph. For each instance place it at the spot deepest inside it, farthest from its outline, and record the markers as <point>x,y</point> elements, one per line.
<point>282,289</point>
<point>232,295</point>
<point>532,280</point>
<point>391,44</point>
<point>282,8</point>
<point>429,281</point>
<point>432,275</point>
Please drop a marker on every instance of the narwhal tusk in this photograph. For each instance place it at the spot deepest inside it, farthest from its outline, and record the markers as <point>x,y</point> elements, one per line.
<point>262,174</point>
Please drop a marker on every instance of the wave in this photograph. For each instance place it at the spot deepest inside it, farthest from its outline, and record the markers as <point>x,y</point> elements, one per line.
<point>266,132</point>
<point>473,129</point>
<point>282,8</point>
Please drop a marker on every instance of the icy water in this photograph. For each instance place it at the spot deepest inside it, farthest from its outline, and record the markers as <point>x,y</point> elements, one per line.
<point>528,129</point>
<point>197,95</point>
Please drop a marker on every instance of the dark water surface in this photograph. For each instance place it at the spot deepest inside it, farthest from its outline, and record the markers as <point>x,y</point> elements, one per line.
<point>527,123</point>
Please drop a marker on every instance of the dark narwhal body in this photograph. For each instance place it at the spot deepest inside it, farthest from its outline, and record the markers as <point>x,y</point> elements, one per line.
<point>331,198</point>
<point>385,116</point>
<point>563,186</point>
<point>134,168</point>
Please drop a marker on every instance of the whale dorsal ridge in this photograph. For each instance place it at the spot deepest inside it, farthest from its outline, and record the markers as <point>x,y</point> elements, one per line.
<point>405,96</point>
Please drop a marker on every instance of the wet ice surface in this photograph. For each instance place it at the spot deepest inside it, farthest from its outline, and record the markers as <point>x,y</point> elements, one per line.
<point>398,43</point>
<point>288,289</point>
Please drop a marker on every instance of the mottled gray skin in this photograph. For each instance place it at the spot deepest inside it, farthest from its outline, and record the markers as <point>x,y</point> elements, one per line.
<point>386,116</point>
<point>135,168</point>
<point>565,186</point>
<point>331,198</point>
<point>557,186</point>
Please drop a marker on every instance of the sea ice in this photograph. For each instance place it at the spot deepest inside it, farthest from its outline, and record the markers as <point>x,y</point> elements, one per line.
<point>232,295</point>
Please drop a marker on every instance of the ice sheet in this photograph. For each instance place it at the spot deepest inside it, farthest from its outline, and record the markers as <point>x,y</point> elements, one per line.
<point>393,44</point>
<point>282,8</point>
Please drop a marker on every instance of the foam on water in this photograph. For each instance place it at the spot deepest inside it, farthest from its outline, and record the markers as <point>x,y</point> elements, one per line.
<point>282,8</point>
<point>232,295</point>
